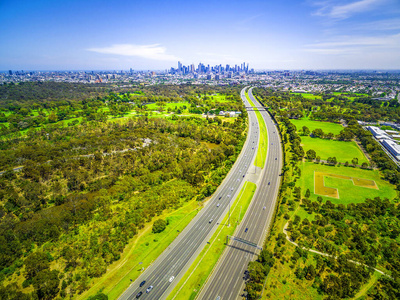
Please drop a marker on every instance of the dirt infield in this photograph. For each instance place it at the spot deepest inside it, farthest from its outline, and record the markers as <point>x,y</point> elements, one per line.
<point>321,189</point>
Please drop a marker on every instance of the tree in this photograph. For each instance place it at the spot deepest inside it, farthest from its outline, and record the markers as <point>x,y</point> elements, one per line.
<point>308,193</point>
<point>306,131</point>
<point>354,161</point>
<point>159,226</point>
<point>311,154</point>
<point>46,284</point>
<point>364,165</point>
<point>318,133</point>
<point>36,263</point>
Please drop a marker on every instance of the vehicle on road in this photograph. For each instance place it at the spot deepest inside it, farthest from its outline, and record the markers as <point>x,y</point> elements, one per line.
<point>138,295</point>
<point>246,229</point>
<point>264,208</point>
<point>210,221</point>
<point>142,283</point>
<point>269,183</point>
<point>149,289</point>
<point>218,205</point>
<point>171,278</point>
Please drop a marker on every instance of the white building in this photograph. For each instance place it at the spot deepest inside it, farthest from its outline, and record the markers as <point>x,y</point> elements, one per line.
<point>378,133</point>
<point>392,147</point>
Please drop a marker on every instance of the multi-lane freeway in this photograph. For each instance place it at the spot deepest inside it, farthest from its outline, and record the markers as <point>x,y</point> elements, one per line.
<point>227,280</point>
<point>176,259</point>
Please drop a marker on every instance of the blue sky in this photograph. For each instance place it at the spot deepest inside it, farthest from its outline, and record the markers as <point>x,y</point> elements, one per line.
<point>118,35</point>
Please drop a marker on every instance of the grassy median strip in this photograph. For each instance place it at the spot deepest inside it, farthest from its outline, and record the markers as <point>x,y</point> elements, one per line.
<point>263,143</point>
<point>144,248</point>
<point>189,286</point>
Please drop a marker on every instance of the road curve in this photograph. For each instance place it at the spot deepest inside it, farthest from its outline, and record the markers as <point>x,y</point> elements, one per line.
<point>227,280</point>
<point>178,257</point>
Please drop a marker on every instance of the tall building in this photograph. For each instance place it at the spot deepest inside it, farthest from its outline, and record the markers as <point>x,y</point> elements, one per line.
<point>179,66</point>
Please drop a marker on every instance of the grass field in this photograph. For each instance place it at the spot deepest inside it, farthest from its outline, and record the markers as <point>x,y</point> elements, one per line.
<point>172,105</point>
<point>263,142</point>
<point>325,183</point>
<point>343,151</point>
<point>348,192</point>
<point>145,247</point>
<point>191,283</point>
<point>217,97</point>
<point>325,126</point>
<point>307,95</point>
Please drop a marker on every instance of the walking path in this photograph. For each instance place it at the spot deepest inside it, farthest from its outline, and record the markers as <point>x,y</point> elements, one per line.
<point>329,255</point>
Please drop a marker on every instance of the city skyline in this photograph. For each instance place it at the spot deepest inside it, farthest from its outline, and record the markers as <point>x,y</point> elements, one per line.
<point>147,35</point>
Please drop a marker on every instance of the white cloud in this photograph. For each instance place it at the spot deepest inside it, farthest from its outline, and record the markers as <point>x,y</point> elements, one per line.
<point>353,44</point>
<point>343,11</point>
<point>154,51</point>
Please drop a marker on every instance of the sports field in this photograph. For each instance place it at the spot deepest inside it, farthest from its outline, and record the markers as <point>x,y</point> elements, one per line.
<point>325,126</point>
<point>369,185</point>
<point>322,189</point>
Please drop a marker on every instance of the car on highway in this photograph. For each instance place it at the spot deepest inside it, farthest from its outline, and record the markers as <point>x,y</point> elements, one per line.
<point>171,278</point>
<point>138,295</point>
<point>269,183</point>
<point>246,229</point>
<point>218,205</point>
<point>142,283</point>
<point>149,289</point>
<point>210,221</point>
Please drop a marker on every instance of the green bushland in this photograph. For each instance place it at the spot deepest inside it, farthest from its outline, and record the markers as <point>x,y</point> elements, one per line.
<point>348,192</point>
<point>193,280</point>
<point>141,252</point>
<point>263,141</point>
<point>343,151</point>
<point>87,190</point>
<point>325,126</point>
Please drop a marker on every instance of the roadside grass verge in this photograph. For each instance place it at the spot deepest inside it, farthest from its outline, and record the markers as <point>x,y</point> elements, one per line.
<point>191,283</point>
<point>263,141</point>
<point>144,248</point>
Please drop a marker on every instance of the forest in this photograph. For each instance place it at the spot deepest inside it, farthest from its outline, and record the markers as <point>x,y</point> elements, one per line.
<point>72,197</point>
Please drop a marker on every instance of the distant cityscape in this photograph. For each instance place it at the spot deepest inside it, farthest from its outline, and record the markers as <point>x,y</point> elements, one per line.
<point>381,85</point>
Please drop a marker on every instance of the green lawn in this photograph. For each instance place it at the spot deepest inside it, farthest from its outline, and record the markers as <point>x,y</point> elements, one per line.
<point>172,105</point>
<point>325,126</point>
<point>307,95</point>
<point>348,193</point>
<point>343,151</point>
<point>191,283</point>
<point>217,97</point>
<point>263,142</point>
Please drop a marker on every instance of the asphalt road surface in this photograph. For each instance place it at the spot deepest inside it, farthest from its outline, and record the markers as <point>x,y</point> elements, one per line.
<point>227,280</point>
<point>177,258</point>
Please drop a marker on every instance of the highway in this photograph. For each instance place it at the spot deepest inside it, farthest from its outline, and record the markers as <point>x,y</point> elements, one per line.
<point>227,280</point>
<point>177,258</point>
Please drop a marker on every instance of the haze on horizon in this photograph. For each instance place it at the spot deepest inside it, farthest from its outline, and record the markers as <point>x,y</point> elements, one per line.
<point>286,34</point>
